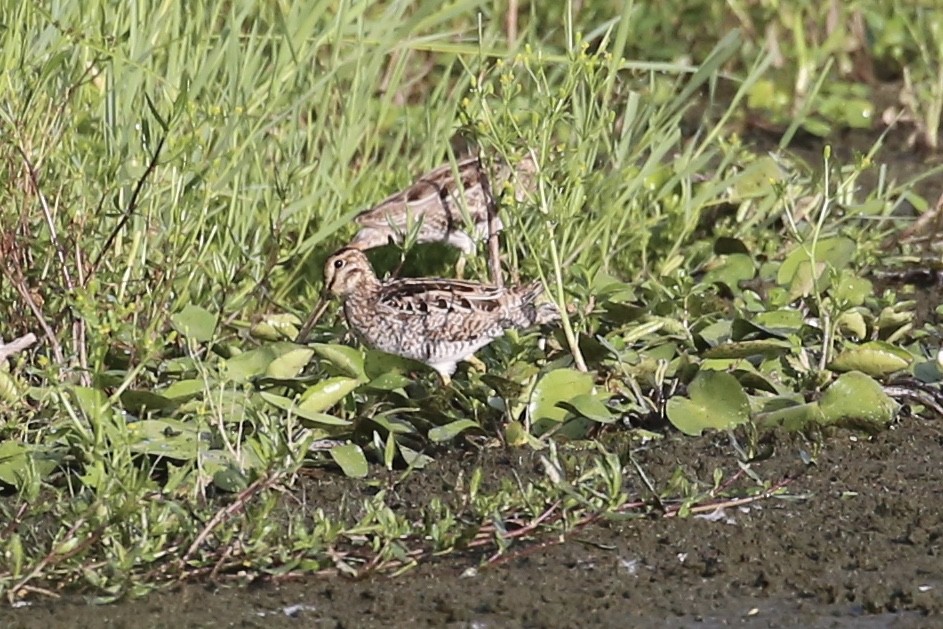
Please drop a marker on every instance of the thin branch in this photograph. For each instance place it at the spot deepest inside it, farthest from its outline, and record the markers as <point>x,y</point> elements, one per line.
<point>38,313</point>
<point>47,212</point>
<point>78,326</point>
<point>49,559</point>
<point>16,346</point>
<point>224,514</point>
<point>132,205</point>
<point>494,246</point>
<point>510,23</point>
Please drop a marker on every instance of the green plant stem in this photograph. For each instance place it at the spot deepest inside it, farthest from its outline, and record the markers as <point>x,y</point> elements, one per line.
<point>561,303</point>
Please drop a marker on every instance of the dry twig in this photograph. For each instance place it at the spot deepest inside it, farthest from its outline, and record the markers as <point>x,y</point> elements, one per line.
<point>16,346</point>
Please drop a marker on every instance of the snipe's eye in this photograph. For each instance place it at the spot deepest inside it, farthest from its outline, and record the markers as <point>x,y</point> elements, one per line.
<point>338,264</point>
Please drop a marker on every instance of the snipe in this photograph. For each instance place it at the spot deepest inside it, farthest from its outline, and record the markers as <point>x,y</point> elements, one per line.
<point>436,321</point>
<point>437,204</point>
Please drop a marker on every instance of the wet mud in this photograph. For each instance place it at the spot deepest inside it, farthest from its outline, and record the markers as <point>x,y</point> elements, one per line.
<point>859,543</point>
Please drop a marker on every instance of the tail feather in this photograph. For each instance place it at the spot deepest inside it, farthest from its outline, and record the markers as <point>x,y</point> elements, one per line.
<point>530,292</point>
<point>545,311</point>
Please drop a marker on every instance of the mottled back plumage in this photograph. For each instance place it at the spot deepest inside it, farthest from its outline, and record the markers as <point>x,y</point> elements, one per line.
<point>436,321</point>
<point>434,203</point>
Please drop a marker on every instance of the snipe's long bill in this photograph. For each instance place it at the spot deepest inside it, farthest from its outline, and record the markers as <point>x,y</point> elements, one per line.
<point>316,314</point>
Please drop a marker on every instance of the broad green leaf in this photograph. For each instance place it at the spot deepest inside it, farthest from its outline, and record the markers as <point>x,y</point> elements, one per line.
<point>744,349</point>
<point>851,111</point>
<point>872,207</point>
<point>767,94</point>
<point>836,252</point>
<point>451,430</point>
<point>817,126</point>
<point>780,326</point>
<point>93,403</point>
<point>715,400</point>
<point>109,379</point>
<point>289,364</point>
<point>347,359</point>
<point>9,451</point>
<point>140,401</point>
<point>327,393</point>
<point>226,350</point>
<point>743,370</point>
<point>184,389</point>
<point>856,400</point>
<point>183,366</point>
<point>725,245</point>
<point>514,434</point>
<point>322,418</point>
<point>793,417</point>
<point>576,428</point>
<point>622,313</point>
<point>390,381</point>
<point>255,362</point>
<point>195,323</point>
<point>716,333</point>
<point>757,179</point>
<point>875,358</point>
<point>590,407</point>
<point>230,405</point>
<point>928,371</point>
<point>19,461</point>
<point>377,363</point>
<point>228,478</point>
<point>724,364</point>
<point>276,327</point>
<point>350,458</point>
<point>809,278</point>
<point>389,421</point>
<point>852,321</point>
<point>732,270</point>
<point>608,288</point>
<point>505,387</point>
<point>645,329</point>
<point>247,365</point>
<point>767,404</point>
<point>10,389</point>
<point>171,438</point>
<point>228,472</point>
<point>289,406</point>
<point>414,459</point>
<point>850,290</point>
<point>559,385</point>
<point>751,378</point>
<point>596,350</point>
<point>779,322</point>
<point>895,316</point>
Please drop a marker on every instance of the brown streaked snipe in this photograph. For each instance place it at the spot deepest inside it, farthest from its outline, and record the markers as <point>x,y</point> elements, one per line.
<point>437,204</point>
<point>436,321</point>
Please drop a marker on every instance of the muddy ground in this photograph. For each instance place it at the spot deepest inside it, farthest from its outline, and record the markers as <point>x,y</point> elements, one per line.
<point>862,547</point>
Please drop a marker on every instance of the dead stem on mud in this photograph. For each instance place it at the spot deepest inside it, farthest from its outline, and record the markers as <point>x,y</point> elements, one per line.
<point>345,561</point>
